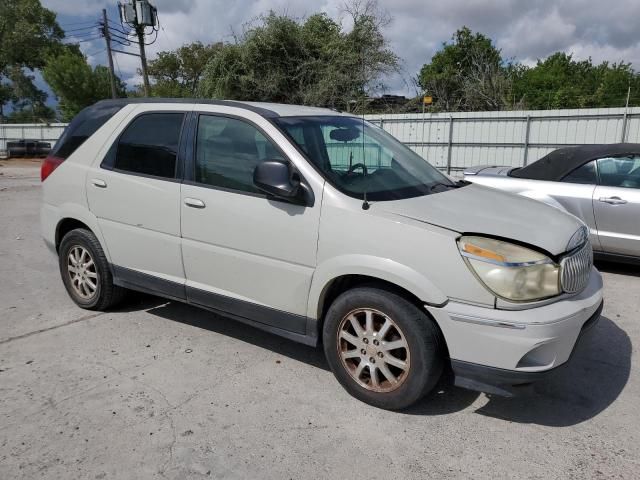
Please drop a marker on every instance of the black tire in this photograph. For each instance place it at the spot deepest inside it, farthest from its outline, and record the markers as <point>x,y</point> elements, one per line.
<point>106,294</point>
<point>425,345</point>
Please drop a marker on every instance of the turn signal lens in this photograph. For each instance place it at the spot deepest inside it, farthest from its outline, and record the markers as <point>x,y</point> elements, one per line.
<point>477,251</point>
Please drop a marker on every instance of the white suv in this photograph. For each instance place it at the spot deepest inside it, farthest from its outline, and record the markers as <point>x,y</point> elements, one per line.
<point>322,228</point>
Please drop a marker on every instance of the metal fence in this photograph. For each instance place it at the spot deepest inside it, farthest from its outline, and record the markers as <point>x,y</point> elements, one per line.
<point>455,141</point>
<point>30,131</point>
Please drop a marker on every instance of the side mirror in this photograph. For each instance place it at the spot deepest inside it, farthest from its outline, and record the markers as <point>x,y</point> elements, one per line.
<point>275,177</point>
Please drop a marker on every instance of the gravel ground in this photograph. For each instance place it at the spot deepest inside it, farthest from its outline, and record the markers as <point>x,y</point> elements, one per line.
<point>161,389</point>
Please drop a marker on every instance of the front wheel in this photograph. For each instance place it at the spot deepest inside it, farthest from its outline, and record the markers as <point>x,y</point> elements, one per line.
<point>383,349</point>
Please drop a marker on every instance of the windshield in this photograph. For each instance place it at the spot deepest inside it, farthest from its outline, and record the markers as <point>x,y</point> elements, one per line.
<point>356,156</point>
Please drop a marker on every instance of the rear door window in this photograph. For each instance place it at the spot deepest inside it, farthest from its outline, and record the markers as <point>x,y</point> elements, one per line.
<point>149,145</point>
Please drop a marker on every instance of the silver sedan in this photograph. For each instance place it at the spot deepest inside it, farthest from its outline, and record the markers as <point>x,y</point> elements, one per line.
<point>600,184</point>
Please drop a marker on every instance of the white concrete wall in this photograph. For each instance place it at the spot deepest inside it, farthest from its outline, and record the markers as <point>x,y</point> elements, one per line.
<point>30,131</point>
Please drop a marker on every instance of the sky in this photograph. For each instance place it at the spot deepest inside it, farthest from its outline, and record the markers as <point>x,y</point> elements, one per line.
<point>525,30</point>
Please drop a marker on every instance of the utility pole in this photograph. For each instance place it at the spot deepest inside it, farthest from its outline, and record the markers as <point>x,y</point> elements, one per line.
<point>626,105</point>
<point>139,14</point>
<point>107,37</point>
<point>143,59</point>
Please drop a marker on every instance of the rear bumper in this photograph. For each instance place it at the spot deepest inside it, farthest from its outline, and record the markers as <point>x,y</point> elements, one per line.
<point>504,382</point>
<point>493,349</point>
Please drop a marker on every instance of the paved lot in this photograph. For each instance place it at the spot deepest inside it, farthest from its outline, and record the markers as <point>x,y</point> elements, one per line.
<point>161,389</point>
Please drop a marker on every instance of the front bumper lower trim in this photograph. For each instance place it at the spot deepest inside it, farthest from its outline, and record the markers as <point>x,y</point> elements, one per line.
<point>508,383</point>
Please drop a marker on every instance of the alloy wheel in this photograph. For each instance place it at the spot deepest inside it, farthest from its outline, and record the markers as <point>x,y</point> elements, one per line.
<point>82,272</point>
<point>373,350</point>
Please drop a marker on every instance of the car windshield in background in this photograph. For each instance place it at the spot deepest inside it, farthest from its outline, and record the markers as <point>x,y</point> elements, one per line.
<point>356,156</point>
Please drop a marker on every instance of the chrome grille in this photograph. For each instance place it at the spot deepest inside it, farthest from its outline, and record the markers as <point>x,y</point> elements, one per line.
<point>575,269</point>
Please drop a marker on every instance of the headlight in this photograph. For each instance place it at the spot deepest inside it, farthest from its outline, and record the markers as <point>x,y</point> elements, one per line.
<point>510,271</point>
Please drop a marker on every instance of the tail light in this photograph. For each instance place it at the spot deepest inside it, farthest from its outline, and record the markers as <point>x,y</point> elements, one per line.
<point>49,164</point>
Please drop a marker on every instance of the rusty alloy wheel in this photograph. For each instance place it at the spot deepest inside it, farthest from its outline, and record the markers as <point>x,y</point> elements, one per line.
<point>82,272</point>
<point>373,350</point>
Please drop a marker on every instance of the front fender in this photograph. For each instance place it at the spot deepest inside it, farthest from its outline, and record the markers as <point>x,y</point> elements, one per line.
<point>544,198</point>
<point>381,268</point>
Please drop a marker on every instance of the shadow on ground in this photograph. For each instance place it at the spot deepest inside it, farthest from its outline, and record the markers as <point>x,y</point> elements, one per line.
<point>587,385</point>
<point>618,268</point>
<point>578,391</point>
<point>206,320</point>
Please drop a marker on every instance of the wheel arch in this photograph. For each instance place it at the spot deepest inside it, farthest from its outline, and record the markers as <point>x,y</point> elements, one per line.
<point>65,226</point>
<point>72,217</point>
<point>343,283</point>
<point>339,274</point>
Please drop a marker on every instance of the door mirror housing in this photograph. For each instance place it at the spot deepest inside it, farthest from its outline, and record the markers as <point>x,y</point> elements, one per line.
<point>276,177</point>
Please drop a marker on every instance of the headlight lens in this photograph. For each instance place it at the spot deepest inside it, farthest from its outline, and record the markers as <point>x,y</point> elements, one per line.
<point>510,271</point>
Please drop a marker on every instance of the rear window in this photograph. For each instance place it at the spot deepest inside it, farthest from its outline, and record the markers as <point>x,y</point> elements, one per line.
<point>85,124</point>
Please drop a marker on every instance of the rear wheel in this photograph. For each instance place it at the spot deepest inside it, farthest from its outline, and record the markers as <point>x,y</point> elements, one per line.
<point>85,271</point>
<point>383,349</point>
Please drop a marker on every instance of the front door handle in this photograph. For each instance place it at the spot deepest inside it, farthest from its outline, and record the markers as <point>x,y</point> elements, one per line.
<point>194,203</point>
<point>613,200</point>
<point>98,183</point>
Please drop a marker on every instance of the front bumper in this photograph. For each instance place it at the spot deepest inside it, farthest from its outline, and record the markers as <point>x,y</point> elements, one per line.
<point>492,350</point>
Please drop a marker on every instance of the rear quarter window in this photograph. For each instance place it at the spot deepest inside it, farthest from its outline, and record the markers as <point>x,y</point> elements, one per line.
<point>85,124</point>
<point>586,174</point>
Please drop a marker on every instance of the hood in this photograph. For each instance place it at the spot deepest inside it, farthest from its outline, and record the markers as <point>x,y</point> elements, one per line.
<point>478,209</point>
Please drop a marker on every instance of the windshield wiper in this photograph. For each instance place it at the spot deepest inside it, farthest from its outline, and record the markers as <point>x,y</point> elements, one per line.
<point>455,184</point>
<point>435,185</point>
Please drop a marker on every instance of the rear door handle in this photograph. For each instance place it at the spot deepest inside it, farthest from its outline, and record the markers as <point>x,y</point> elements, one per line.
<point>194,203</point>
<point>98,183</point>
<point>613,200</point>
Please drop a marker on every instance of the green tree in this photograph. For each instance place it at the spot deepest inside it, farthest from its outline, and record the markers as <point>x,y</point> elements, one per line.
<point>313,62</point>
<point>177,73</point>
<point>75,83</point>
<point>28,32</point>
<point>39,113</point>
<point>559,81</point>
<point>467,74</point>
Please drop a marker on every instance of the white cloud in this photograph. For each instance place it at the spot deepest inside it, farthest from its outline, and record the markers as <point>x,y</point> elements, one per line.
<point>526,30</point>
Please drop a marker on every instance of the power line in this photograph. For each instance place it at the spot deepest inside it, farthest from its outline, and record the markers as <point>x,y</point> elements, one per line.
<point>121,40</point>
<point>83,35</point>
<point>126,34</point>
<point>93,54</point>
<point>119,27</point>
<point>89,27</point>
<point>154,38</point>
<point>84,40</point>
<point>84,22</point>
